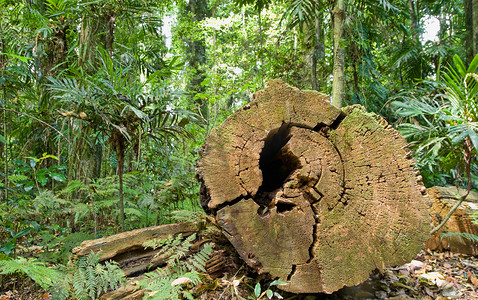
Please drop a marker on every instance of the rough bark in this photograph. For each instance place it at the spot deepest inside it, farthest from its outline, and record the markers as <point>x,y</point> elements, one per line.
<point>313,195</point>
<point>461,221</point>
<point>130,291</point>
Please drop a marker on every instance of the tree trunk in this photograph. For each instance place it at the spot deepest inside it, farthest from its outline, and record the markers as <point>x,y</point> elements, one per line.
<point>338,16</point>
<point>313,195</point>
<point>197,57</point>
<point>319,53</point>
<point>469,45</point>
<point>118,141</point>
<point>475,27</point>
<point>4,148</point>
<point>414,20</point>
<point>88,41</point>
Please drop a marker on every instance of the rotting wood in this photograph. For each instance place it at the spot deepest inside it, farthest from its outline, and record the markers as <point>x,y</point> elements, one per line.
<point>127,248</point>
<point>130,291</point>
<point>313,195</point>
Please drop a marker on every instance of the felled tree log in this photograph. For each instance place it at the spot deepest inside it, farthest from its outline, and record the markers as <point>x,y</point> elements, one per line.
<point>127,248</point>
<point>130,291</point>
<point>443,199</point>
<point>313,195</point>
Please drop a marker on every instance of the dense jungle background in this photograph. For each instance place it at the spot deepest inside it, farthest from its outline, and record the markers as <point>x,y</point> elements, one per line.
<point>105,104</point>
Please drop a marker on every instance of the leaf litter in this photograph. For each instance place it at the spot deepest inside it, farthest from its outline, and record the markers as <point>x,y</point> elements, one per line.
<point>444,275</point>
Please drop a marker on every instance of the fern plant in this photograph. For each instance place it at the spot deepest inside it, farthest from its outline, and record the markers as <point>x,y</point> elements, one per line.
<point>33,268</point>
<point>461,235</point>
<point>88,279</point>
<point>182,268</point>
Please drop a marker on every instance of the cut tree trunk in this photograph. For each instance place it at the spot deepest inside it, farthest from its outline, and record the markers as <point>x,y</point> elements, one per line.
<point>315,196</point>
<point>443,199</point>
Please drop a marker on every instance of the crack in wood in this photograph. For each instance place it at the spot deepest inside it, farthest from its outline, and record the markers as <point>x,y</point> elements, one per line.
<point>292,272</point>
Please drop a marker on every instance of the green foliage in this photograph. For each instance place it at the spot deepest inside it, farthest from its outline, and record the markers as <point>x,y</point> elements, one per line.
<point>88,279</point>
<point>259,294</point>
<point>302,12</point>
<point>58,248</point>
<point>36,270</point>
<point>461,235</point>
<point>182,269</point>
<point>440,127</point>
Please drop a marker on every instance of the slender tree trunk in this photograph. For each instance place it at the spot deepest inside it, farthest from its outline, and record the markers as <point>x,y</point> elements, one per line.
<point>338,87</point>
<point>3,62</point>
<point>260,54</point>
<point>138,149</point>
<point>356,82</point>
<point>412,5</point>
<point>119,145</point>
<point>121,192</point>
<point>469,45</point>
<point>319,52</point>
<point>475,27</point>
<point>97,159</point>
<point>197,57</point>
<point>5,145</point>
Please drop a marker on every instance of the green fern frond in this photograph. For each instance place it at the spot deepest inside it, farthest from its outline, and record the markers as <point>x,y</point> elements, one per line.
<point>461,235</point>
<point>33,268</point>
<point>187,215</point>
<point>180,264</point>
<point>87,279</point>
<point>16,178</point>
<point>72,186</point>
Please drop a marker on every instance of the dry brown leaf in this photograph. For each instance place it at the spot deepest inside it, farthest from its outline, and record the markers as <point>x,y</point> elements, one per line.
<point>429,292</point>
<point>181,281</point>
<point>67,114</point>
<point>436,278</point>
<point>472,278</point>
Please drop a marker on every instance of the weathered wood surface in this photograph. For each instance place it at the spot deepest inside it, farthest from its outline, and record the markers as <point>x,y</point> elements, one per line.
<point>444,198</point>
<point>313,195</point>
<point>127,248</point>
<point>130,291</point>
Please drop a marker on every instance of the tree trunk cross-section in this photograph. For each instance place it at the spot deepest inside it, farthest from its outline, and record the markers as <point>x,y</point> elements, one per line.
<point>313,195</point>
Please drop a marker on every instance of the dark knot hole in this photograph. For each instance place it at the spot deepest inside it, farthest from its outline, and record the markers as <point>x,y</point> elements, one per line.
<point>276,164</point>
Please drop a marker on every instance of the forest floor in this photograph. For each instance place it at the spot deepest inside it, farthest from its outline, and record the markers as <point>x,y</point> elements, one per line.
<point>444,275</point>
<point>430,276</point>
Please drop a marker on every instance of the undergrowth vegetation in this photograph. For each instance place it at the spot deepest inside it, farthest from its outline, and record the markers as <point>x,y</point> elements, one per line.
<point>182,268</point>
